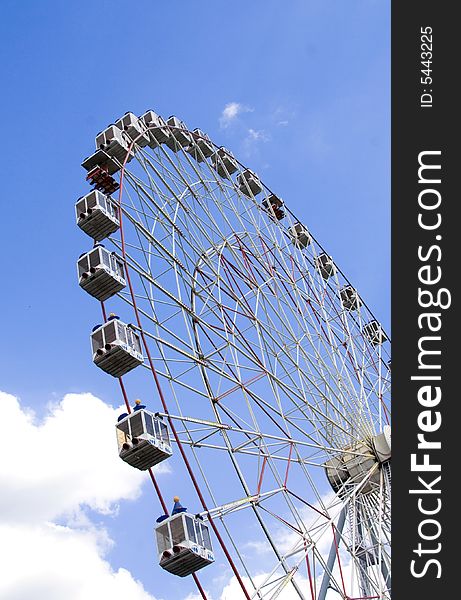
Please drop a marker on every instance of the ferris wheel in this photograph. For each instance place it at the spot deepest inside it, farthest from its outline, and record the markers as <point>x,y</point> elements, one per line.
<point>271,375</point>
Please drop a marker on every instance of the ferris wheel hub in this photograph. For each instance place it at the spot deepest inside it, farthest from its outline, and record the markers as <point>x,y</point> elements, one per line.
<point>359,462</point>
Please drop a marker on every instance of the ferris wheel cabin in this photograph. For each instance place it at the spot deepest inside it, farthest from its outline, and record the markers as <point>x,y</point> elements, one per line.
<point>224,163</point>
<point>183,542</point>
<point>273,205</point>
<point>97,215</point>
<point>134,129</point>
<point>179,134</point>
<point>157,129</point>
<point>349,298</point>
<point>100,273</point>
<point>374,333</point>
<point>325,265</point>
<point>249,183</point>
<point>103,161</point>
<point>143,439</point>
<point>201,147</point>
<point>300,236</point>
<point>112,141</point>
<point>116,347</point>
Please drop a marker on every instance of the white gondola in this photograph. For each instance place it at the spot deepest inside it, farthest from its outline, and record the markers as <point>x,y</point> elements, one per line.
<point>156,128</point>
<point>134,128</point>
<point>183,542</point>
<point>100,273</point>
<point>299,235</point>
<point>349,298</point>
<point>249,183</point>
<point>374,333</point>
<point>112,141</point>
<point>180,136</point>
<point>273,205</point>
<point>116,347</point>
<point>224,162</point>
<point>201,146</point>
<point>142,438</point>
<point>103,160</point>
<point>325,265</point>
<point>97,215</point>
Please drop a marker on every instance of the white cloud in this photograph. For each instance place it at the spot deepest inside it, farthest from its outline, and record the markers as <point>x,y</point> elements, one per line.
<point>67,461</point>
<point>251,141</point>
<point>49,474</point>
<point>230,113</point>
<point>54,470</point>
<point>52,562</point>
<point>258,135</point>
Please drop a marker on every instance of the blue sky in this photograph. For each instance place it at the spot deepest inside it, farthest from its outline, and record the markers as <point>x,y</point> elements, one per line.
<point>312,83</point>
